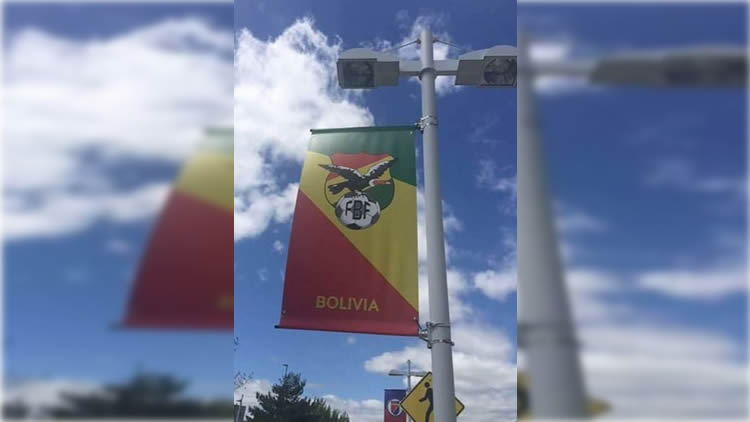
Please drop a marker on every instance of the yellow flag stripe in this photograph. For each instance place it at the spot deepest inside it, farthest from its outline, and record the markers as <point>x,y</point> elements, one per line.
<point>396,228</point>
<point>209,176</point>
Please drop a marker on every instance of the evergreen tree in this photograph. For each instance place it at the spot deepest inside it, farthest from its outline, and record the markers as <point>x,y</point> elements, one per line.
<point>322,412</point>
<point>285,403</point>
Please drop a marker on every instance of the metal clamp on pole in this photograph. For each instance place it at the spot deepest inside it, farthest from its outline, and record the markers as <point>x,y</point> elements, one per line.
<point>426,334</point>
<point>427,121</point>
<point>423,333</point>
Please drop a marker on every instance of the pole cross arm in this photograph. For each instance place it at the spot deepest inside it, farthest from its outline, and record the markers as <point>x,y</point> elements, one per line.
<point>409,68</point>
<point>708,66</point>
<point>362,68</point>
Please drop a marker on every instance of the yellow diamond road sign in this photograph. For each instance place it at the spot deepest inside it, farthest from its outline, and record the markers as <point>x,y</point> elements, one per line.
<point>418,403</point>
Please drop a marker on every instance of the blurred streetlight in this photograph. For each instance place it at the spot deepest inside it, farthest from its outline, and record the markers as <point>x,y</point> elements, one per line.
<point>546,330</point>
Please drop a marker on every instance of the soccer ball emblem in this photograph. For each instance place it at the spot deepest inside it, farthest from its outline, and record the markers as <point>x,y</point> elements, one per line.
<point>357,211</point>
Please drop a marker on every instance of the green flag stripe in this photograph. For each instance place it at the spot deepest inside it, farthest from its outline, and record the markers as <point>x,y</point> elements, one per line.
<point>397,141</point>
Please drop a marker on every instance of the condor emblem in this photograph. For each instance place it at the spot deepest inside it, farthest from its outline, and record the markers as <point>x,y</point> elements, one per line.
<point>359,187</point>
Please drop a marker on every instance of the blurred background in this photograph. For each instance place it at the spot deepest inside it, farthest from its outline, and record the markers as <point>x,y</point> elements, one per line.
<point>106,105</point>
<point>645,167</point>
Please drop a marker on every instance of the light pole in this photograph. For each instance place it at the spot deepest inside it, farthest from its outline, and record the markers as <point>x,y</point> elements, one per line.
<point>546,330</point>
<point>493,67</point>
<point>408,374</point>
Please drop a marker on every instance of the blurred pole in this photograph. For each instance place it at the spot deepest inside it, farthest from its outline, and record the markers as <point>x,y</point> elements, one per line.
<point>546,329</point>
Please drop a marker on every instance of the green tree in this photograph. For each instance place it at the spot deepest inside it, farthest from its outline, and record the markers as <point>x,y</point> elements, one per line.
<point>144,395</point>
<point>15,410</point>
<point>286,403</point>
<point>321,411</point>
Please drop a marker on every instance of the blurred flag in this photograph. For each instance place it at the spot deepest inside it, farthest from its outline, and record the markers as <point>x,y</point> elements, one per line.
<point>186,275</point>
<point>352,263</point>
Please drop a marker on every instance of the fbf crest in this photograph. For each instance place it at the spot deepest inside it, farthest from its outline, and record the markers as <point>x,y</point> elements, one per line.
<point>359,187</point>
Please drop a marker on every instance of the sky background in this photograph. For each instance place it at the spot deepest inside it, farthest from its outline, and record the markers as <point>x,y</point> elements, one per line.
<point>649,187</point>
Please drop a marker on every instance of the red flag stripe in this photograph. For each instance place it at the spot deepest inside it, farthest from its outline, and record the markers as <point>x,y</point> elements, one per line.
<point>319,250</point>
<point>185,279</point>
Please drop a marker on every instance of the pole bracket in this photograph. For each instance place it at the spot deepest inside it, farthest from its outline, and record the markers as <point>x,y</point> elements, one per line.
<point>427,121</point>
<point>425,333</point>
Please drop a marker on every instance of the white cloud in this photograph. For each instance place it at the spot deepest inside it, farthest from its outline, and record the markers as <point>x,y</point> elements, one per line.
<point>571,220</point>
<point>257,208</point>
<point>680,174</point>
<point>263,274</point>
<point>645,366</point>
<point>118,246</point>
<point>544,52</point>
<point>483,132</point>
<point>488,177</point>
<point>40,394</point>
<point>351,340</point>
<point>66,99</point>
<point>657,370</point>
<point>369,410</point>
<point>62,213</point>
<point>708,284</point>
<point>451,224</point>
<point>496,284</point>
<point>248,390</point>
<point>273,116</point>
<point>443,85</point>
<point>278,246</point>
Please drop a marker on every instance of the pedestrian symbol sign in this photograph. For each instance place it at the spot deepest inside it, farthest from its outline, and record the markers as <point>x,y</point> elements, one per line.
<point>418,403</point>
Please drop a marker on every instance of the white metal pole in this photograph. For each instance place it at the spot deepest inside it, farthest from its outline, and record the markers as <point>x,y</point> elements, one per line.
<point>442,358</point>
<point>556,387</point>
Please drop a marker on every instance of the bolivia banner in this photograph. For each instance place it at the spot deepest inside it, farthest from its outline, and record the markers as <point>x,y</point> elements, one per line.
<point>186,275</point>
<point>352,263</point>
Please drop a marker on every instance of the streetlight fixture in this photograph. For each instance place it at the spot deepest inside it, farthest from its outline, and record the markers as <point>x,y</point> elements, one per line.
<point>494,67</point>
<point>710,66</point>
<point>364,68</point>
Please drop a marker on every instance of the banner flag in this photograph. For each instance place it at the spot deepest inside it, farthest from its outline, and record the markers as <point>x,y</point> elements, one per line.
<point>393,411</point>
<point>186,276</point>
<point>352,261</point>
